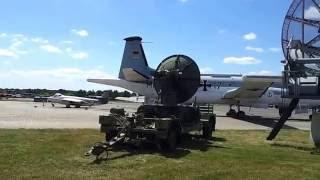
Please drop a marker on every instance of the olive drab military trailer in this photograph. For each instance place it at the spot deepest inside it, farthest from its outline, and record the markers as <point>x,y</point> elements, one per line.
<point>176,80</point>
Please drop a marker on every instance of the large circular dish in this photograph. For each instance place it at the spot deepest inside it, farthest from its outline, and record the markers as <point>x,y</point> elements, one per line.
<point>301,30</point>
<point>177,77</point>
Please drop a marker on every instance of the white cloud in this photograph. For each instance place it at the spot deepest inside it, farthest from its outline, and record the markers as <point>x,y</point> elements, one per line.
<point>8,53</point>
<point>241,60</point>
<point>80,55</point>
<point>18,36</point>
<point>262,72</point>
<point>274,49</point>
<point>80,32</point>
<point>250,36</point>
<point>60,78</point>
<point>39,40</point>
<point>69,50</point>
<point>2,35</point>
<point>312,13</point>
<point>256,49</point>
<point>15,47</point>
<point>206,70</point>
<point>51,49</point>
<point>66,42</point>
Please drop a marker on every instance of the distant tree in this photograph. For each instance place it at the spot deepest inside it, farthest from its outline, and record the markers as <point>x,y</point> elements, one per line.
<point>62,91</point>
<point>91,93</point>
<point>81,93</point>
<point>99,93</point>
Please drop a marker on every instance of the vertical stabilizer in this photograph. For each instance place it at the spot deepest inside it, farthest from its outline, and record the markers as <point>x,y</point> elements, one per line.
<point>134,65</point>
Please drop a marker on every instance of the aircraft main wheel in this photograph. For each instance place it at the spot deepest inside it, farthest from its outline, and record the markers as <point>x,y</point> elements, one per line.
<point>231,112</point>
<point>241,114</point>
<point>68,106</point>
<point>77,106</point>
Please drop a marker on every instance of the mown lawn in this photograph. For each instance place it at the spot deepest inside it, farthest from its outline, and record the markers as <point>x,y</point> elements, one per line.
<point>47,154</point>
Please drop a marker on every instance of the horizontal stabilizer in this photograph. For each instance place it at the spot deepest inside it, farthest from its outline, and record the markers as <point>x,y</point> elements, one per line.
<point>110,82</point>
<point>137,87</point>
<point>133,75</point>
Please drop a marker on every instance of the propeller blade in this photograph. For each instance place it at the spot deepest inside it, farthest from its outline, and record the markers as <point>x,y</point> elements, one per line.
<point>284,117</point>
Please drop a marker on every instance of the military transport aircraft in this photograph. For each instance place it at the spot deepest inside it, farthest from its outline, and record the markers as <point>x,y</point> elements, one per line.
<point>248,91</point>
<point>71,100</point>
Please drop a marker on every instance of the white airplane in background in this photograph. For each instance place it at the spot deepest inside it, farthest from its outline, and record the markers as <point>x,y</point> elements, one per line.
<point>248,91</point>
<point>71,100</point>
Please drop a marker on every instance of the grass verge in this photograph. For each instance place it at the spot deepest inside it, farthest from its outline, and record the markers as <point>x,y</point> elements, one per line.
<point>47,154</point>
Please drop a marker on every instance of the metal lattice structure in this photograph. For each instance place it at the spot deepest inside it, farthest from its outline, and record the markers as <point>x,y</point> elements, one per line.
<point>301,48</point>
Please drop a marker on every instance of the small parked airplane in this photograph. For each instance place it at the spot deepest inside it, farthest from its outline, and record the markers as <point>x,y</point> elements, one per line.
<point>71,100</point>
<point>230,89</point>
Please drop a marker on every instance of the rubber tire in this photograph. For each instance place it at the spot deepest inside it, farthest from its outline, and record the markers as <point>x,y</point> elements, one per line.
<point>212,122</point>
<point>170,144</point>
<point>241,114</point>
<point>207,131</point>
<point>231,113</point>
<point>110,135</point>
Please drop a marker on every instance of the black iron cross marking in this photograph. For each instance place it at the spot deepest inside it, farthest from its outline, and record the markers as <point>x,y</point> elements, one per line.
<point>205,85</point>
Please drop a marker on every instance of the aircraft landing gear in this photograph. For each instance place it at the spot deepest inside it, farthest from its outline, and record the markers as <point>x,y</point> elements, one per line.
<point>231,112</point>
<point>240,114</point>
<point>234,113</point>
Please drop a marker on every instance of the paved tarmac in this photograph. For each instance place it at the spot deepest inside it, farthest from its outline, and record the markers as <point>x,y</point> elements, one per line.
<point>30,115</point>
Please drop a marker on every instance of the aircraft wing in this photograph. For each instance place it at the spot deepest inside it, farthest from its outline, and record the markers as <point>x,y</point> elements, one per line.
<point>253,87</point>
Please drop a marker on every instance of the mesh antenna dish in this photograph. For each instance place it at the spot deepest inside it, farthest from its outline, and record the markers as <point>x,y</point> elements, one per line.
<point>301,32</point>
<point>176,79</point>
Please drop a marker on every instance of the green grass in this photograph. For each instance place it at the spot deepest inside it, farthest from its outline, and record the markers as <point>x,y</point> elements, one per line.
<point>47,154</point>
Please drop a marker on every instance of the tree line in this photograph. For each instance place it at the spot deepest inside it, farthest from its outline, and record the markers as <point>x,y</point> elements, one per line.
<point>81,93</point>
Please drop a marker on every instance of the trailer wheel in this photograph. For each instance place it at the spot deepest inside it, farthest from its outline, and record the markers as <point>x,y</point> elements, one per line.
<point>170,143</point>
<point>212,122</point>
<point>110,135</point>
<point>207,130</point>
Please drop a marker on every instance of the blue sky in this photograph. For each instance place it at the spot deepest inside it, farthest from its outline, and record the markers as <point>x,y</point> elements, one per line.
<point>59,44</point>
